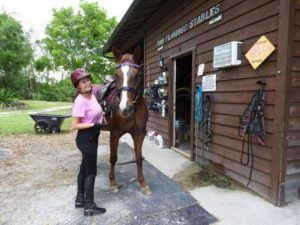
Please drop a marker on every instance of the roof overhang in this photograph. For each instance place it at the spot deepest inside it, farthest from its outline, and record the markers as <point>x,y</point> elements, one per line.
<point>137,15</point>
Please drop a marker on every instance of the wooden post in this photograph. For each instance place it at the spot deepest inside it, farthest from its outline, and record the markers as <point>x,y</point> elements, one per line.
<point>281,103</point>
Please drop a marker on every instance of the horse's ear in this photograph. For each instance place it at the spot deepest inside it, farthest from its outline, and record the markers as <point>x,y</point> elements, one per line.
<point>117,53</point>
<point>137,53</point>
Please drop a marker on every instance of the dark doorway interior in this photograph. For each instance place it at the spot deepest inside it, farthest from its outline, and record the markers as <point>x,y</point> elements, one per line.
<point>183,103</point>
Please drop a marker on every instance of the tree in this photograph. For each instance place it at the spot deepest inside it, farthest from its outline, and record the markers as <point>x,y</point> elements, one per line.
<point>15,52</point>
<point>43,63</point>
<point>75,39</point>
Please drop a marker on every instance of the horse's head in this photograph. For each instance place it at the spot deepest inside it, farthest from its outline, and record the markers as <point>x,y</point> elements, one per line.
<point>127,70</point>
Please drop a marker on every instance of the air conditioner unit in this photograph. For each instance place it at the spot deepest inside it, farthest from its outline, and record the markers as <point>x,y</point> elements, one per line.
<point>227,55</point>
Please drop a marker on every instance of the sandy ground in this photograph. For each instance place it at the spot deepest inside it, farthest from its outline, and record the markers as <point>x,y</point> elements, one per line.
<point>38,178</point>
<point>38,169</point>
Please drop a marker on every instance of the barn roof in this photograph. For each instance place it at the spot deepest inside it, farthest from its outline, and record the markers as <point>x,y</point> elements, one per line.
<point>137,15</point>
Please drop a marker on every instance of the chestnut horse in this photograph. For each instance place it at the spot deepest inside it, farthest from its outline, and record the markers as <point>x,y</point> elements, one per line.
<point>128,113</point>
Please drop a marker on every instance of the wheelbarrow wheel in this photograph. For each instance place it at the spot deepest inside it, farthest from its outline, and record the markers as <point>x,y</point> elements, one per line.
<point>42,127</point>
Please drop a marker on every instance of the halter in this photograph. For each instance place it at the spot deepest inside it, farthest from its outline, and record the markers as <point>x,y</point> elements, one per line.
<point>128,88</point>
<point>111,106</point>
<point>128,64</point>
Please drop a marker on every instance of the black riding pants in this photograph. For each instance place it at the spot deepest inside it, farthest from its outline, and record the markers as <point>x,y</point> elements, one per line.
<point>87,143</point>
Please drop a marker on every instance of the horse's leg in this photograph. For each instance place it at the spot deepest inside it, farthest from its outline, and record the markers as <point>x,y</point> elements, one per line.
<point>138,139</point>
<point>114,142</point>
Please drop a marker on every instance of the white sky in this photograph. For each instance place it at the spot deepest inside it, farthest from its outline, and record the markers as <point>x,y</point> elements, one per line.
<point>36,14</point>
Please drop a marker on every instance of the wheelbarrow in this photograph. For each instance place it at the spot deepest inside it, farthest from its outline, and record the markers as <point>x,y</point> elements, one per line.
<point>46,123</point>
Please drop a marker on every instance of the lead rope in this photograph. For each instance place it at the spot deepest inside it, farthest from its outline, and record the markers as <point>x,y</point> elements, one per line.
<point>207,119</point>
<point>205,127</point>
<point>198,121</point>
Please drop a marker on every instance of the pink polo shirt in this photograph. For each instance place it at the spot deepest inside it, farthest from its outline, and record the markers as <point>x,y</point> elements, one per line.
<point>88,110</point>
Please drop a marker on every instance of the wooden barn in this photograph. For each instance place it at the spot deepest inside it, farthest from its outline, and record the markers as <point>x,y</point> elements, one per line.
<point>205,59</point>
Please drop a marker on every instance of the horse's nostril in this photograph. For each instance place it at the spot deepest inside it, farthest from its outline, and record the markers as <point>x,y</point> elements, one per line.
<point>130,108</point>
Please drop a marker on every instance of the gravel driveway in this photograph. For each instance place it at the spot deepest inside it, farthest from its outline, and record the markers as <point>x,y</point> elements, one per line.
<point>36,170</point>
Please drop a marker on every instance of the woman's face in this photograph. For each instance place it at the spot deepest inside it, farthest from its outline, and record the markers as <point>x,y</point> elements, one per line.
<point>85,85</point>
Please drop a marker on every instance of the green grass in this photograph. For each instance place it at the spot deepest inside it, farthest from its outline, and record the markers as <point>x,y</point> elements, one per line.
<point>18,122</point>
<point>37,105</point>
<point>44,104</point>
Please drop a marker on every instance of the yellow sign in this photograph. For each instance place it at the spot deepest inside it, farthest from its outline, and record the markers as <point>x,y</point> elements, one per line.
<point>260,51</point>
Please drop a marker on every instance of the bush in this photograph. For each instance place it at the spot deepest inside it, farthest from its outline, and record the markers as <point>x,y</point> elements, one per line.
<point>10,99</point>
<point>60,91</point>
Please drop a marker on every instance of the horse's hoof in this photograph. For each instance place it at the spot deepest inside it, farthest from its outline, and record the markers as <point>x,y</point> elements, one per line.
<point>146,190</point>
<point>114,189</point>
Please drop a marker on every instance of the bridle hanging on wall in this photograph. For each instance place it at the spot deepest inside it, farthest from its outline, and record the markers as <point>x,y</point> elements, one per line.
<point>251,123</point>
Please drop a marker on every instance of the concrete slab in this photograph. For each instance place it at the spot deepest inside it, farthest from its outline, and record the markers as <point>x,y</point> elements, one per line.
<point>230,207</point>
<point>243,208</point>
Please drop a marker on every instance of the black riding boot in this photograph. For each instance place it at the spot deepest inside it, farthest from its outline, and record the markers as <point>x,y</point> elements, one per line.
<point>90,207</point>
<point>79,201</point>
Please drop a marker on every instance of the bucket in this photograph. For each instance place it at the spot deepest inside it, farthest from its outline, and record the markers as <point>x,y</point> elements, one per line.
<point>151,135</point>
<point>160,141</point>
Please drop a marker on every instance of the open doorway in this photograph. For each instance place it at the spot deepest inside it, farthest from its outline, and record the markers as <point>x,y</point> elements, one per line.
<point>182,103</point>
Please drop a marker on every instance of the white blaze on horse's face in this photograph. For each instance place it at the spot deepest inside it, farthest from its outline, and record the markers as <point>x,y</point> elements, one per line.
<point>124,94</point>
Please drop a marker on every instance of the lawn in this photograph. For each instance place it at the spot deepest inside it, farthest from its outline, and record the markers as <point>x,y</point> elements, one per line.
<point>44,104</point>
<point>19,121</point>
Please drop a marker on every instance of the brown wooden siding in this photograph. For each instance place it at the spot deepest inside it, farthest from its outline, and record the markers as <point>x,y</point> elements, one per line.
<point>292,181</point>
<point>242,20</point>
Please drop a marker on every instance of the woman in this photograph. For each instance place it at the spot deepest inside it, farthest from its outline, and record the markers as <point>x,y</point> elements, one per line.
<point>87,116</point>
